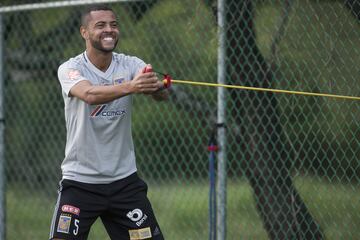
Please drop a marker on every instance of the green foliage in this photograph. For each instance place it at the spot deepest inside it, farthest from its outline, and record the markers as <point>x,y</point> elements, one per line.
<point>161,145</point>
<point>32,148</point>
<point>316,57</point>
<point>186,32</point>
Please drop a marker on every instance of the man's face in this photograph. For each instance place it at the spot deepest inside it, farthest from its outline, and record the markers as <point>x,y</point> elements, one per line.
<point>102,30</point>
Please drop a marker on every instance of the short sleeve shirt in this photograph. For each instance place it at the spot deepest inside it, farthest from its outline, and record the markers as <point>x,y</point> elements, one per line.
<point>99,145</point>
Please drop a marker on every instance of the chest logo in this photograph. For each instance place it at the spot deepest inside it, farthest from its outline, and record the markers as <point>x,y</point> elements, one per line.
<point>101,111</point>
<point>117,79</point>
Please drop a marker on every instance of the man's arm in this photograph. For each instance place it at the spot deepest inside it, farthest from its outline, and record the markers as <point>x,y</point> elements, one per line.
<point>146,83</point>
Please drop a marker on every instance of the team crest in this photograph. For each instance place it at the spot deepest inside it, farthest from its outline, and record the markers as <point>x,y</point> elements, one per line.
<point>64,224</point>
<point>118,79</point>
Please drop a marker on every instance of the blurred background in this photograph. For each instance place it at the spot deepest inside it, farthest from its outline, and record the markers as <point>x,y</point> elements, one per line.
<point>292,161</point>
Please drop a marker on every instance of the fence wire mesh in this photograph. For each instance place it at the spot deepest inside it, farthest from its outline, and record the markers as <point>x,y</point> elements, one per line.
<point>293,168</point>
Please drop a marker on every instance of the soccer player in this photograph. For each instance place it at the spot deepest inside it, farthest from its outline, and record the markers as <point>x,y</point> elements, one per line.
<point>99,175</point>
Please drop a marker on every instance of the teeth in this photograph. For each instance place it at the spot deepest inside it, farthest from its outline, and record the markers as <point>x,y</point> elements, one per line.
<point>108,39</point>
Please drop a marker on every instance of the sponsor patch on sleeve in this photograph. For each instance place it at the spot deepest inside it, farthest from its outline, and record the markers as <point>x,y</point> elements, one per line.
<point>138,234</point>
<point>74,74</point>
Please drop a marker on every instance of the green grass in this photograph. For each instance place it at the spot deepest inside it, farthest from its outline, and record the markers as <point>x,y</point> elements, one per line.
<point>182,211</point>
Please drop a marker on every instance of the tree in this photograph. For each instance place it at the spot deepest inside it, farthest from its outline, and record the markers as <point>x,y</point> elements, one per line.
<point>281,208</point>
<point>354,7</point>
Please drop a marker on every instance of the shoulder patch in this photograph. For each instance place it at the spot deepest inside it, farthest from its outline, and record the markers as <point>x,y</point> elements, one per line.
<point>74,74</point>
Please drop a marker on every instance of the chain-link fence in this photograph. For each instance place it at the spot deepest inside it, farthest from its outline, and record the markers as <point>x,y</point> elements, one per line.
<point>292,161</point>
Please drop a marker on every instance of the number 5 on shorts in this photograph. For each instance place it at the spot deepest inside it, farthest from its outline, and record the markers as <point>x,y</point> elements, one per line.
<point>76,230</point>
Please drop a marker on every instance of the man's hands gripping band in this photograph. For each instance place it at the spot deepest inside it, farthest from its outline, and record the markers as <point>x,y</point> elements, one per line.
<point>166,80</point>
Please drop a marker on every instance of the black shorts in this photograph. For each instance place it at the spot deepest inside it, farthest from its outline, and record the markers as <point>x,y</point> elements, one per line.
<point>123,207</point>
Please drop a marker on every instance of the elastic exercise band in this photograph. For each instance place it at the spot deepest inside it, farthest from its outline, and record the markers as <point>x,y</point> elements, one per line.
<point>262,89</point>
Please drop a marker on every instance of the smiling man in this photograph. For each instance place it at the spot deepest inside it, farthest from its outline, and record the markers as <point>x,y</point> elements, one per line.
<point>99,174</point>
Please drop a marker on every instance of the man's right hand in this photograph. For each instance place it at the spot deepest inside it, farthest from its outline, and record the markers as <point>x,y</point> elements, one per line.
<point>145,82</point>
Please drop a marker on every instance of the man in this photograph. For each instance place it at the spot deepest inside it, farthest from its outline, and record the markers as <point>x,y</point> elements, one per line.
<point>99,170</point>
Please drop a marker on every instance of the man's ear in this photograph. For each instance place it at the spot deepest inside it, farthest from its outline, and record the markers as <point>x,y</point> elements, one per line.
<point>84,32</point>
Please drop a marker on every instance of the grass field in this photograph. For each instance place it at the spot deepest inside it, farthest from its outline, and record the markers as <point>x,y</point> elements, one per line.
<point>182,211</point>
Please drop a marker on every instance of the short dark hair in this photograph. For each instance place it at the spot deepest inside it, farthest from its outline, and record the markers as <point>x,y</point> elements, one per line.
<point>90,8</point>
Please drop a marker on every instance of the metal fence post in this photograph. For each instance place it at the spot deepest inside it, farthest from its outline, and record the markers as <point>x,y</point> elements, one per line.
<point>221,179</point>
<point>2,155</point>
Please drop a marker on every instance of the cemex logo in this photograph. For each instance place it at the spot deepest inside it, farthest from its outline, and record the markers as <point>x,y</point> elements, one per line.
<point>101,111</point>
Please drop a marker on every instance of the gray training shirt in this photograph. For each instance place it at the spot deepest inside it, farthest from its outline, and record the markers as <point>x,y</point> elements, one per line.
<point>99,146</point>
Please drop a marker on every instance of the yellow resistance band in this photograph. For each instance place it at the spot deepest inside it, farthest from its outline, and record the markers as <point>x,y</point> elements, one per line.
<point>264,89</point>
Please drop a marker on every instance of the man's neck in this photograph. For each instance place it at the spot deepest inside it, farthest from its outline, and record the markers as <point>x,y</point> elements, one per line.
<point>99,59</point>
